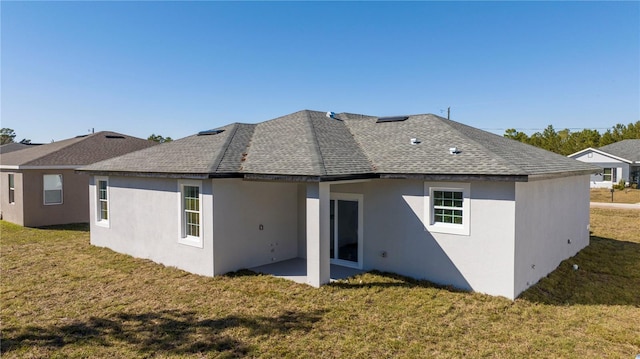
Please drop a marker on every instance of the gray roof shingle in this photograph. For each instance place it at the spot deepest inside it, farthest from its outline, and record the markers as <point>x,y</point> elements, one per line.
<point>307,143</point>
<point>627,149</point>
<point>15,146</point>
<point>78,151</point>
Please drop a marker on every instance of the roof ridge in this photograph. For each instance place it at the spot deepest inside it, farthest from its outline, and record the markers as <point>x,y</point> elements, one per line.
<point>491,153</point>
<point>314,135</point>
<point>227,143</point>
<point>372,165</point>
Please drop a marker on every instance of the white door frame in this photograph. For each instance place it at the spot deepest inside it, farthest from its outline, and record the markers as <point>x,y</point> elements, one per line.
<point>336,196</point>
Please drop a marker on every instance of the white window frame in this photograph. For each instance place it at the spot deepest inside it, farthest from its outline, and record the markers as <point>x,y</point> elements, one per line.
<point>450,228</point>
<point>11,196</point>
<point>183,237</point>
<point>613,176</point>
<point>44,190</point>
<point>99,221</point>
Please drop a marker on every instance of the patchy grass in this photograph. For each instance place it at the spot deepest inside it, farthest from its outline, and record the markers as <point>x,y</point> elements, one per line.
<point>627,195</point>
<point>61,297</point>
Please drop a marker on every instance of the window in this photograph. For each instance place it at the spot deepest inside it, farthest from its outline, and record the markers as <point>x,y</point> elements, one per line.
<point>609,175</point>
<point>190,203</point>
<point>191,196</point>
<point>102,200</point>
<point>12,189</point>
<point>447,207</point>
<point>52,189</point>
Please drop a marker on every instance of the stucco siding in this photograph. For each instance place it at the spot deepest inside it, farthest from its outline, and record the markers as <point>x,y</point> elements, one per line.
<point>396,239</point>
<point>240,209</point>
<point>145,222</point>
<point>75,199</point>
<point>552,224</point>
<point>302,220</point>
<point>12,212</point>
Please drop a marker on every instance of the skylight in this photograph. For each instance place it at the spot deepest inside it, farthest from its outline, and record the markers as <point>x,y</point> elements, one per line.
<point>209,132</point>
<point>392,119</point>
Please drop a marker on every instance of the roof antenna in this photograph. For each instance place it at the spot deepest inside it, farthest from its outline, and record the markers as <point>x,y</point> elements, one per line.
<point>448,112</point>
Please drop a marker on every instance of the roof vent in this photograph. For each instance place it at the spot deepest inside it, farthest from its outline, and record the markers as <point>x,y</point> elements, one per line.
<point>454,150</point>
<point>415,141</point>
<point>113,136</point>
<point>392,119</point>
<point>209,132</point>
<point>332,115</point>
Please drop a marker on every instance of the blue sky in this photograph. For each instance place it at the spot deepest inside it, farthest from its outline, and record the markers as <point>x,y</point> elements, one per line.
<point>175,68</point>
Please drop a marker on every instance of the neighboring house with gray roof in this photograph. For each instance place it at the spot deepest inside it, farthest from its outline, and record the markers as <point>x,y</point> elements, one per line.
<point>307,195</point>
<point>40,186</point>
<point>16,146</point>
<point>618,161</point>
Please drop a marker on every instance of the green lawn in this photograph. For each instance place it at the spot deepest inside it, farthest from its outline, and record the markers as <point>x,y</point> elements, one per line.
<point>61,297</point>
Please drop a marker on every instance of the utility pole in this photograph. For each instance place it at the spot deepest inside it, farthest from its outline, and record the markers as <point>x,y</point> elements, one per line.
<point>449,113</point>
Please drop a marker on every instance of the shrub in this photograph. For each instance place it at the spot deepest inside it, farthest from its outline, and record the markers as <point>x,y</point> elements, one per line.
<point>620,185</point>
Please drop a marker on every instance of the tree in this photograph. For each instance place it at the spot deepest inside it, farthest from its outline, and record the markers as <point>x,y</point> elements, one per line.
<point>515,135</point>
<point>159,138</point>
<point>6,136</point>
<point>565,142</point>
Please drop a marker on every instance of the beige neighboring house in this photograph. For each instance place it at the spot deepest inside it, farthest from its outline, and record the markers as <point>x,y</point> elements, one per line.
<point>39,184</point>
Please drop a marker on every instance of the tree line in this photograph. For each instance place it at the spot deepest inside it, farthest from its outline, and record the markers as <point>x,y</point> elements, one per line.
<point>8,135</point>
<point>565,142</point>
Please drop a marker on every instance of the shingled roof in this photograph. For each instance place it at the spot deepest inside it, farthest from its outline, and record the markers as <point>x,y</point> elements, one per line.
<point>15,146</point>
<point>74,152</point>
<point>627,149</point>
<point>307,145</point>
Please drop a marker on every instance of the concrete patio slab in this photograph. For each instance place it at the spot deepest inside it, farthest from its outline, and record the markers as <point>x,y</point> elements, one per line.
<point>296,270</point>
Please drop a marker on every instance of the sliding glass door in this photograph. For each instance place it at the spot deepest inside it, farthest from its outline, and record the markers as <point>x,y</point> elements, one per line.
<point>346,229</point>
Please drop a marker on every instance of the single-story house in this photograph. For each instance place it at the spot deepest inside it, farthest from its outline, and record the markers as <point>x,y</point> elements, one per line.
<point>40,186</point>
<point>418,195</point>
<point>617,161</point>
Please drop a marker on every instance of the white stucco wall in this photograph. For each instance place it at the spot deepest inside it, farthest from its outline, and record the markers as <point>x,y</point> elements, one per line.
<point>512,226</point>
<point>240,207</point>
<point>394,223</point>
<point>549,214</point>
<point>145,222</point>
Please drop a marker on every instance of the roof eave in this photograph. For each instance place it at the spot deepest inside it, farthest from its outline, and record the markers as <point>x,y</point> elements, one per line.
<point>172,175</point>
<point>307,178</point>
<point>545,176</point>
<point>455,177</point>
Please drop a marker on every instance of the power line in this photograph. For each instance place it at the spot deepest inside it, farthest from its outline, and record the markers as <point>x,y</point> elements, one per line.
<point>542,129</point>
